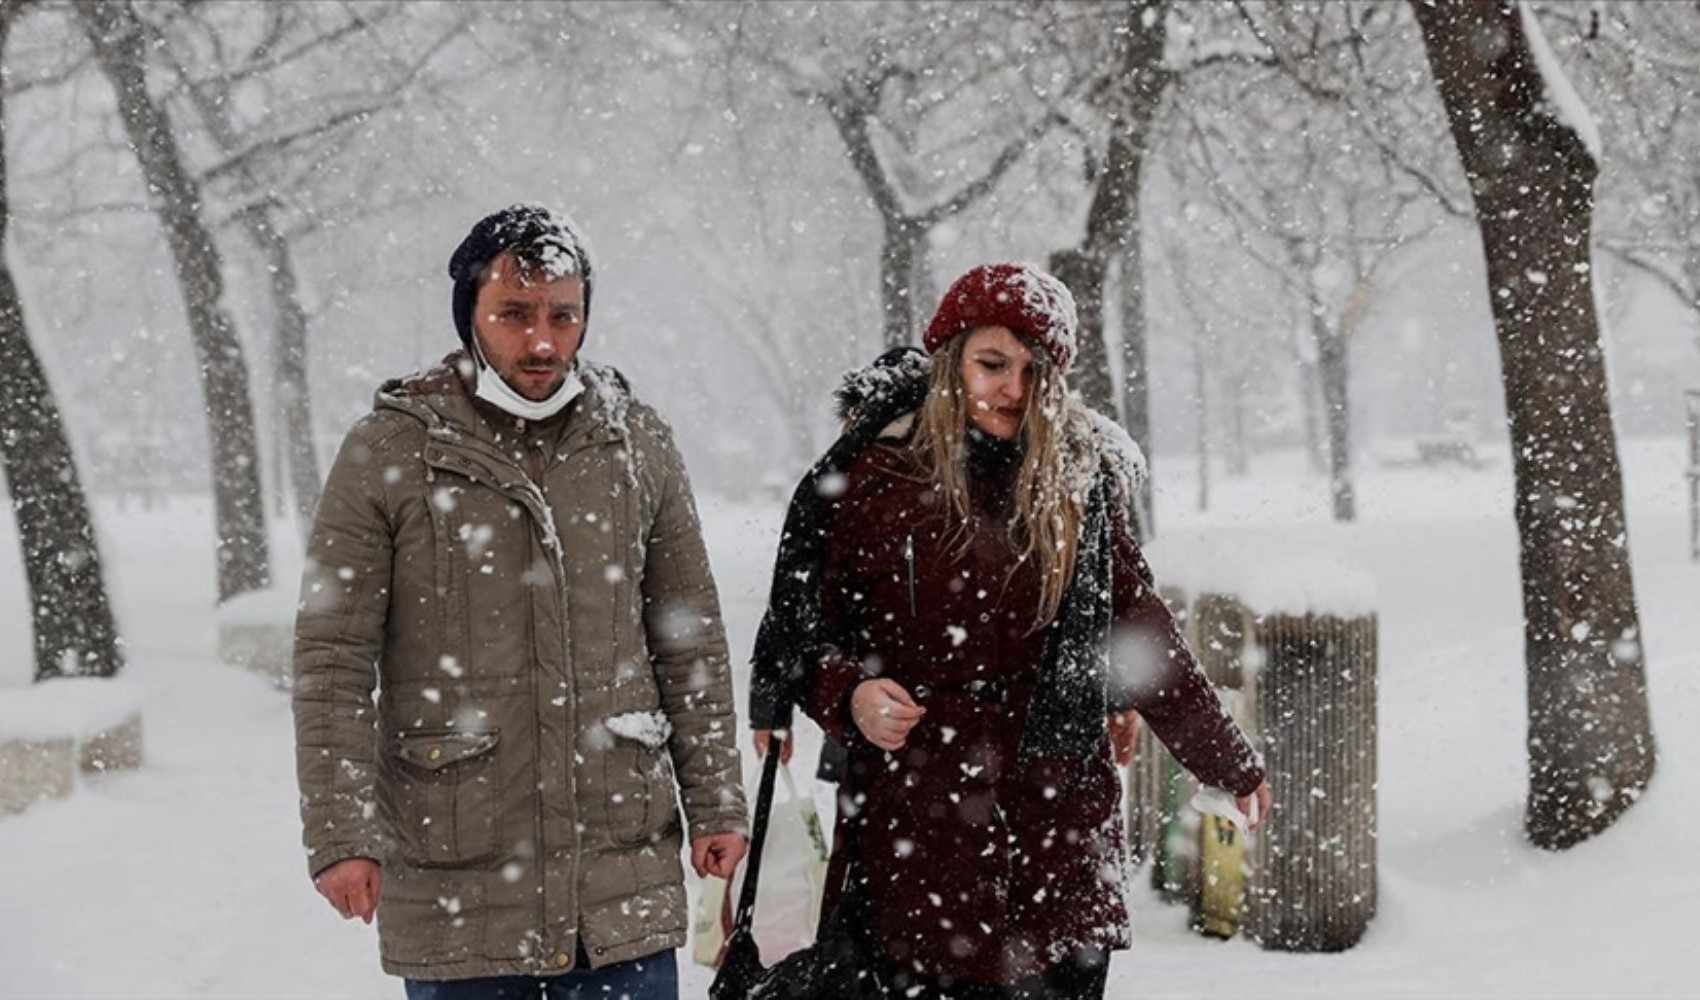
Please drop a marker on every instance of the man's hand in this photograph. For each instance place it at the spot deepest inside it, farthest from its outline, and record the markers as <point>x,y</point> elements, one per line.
<point>1256,806</point>
<point>764,736</point>
<point>884,712</point>
<point>718,854</point>
<point>1124,735</point>
<point>352,887</point>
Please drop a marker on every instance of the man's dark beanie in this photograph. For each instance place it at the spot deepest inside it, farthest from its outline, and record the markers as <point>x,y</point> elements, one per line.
<point>541,238</point>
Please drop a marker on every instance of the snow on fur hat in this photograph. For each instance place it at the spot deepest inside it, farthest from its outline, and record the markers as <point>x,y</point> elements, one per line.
<point>548,241</point>
<point>1018,296</point>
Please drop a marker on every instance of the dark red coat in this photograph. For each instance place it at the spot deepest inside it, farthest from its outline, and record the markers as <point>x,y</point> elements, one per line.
<point>981,870</point>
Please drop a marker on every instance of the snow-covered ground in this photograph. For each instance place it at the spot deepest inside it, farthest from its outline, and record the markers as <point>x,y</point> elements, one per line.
<point>186,878</point>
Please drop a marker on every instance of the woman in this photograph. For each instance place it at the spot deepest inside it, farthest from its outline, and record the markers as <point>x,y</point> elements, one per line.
<point>954,577</point>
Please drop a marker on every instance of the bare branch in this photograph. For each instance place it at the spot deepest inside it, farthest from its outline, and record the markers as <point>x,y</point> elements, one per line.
<point>280,143</point>
<point>982,185</point>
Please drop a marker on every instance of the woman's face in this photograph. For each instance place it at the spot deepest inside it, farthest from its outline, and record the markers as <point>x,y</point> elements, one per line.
<point>997,374</point>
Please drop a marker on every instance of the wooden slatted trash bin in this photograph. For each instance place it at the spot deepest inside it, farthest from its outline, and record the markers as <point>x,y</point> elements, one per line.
<point>1313,865</point>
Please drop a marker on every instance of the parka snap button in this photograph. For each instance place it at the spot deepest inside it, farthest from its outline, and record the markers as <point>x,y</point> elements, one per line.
<point>434,753</point>
<point>562,960</point>
<point>602,951</point>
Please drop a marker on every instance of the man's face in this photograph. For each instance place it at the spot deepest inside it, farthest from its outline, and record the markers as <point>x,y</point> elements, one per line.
<point>529,330</point>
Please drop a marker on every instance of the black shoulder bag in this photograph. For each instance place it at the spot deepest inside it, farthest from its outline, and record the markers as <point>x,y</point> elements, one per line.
<point>842,964</point>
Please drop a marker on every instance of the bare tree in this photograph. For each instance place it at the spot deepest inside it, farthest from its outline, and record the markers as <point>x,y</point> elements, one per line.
<point>1523,139</point>
<point>1128,88</point>
<point>220,55</point>
<point>1126,75</point>
<point>75,633</point>
<point>928,100</point>
<point>1639,59</point>
<point>1326,225</point>
<point>119,41</point>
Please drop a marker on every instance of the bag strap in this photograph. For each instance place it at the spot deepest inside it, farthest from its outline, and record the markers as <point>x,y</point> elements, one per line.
<point>758,836</point>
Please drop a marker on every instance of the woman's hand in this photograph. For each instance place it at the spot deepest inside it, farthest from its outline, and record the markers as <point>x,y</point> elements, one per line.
<point>1124,735</point>
<point>884,712</point>
<point>1255,806</point>
<point>764,736</point>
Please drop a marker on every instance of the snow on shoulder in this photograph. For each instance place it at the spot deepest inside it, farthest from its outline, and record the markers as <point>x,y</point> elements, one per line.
<point>1091,443</point>
<point>610,389</point>
<point>890,376</point>
<point>1118,450</point>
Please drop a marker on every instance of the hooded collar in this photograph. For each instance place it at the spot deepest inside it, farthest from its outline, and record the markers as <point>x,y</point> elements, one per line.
<point>442,398</point>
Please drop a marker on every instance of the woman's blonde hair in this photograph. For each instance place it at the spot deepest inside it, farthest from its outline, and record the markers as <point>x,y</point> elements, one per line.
<point>1045,519</point>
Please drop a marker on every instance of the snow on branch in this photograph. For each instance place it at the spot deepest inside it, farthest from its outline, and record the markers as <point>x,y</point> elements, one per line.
<point>1561,96</point>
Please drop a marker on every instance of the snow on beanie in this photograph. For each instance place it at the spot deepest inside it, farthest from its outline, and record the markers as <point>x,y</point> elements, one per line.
<point>1018,296</point>
<point>548,241</point>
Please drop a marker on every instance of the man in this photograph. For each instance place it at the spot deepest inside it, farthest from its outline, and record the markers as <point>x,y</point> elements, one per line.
<point>508,550</point>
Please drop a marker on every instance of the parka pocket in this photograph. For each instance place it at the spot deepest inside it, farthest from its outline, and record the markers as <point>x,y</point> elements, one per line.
<point>642,803</point>
<point>445,797</point>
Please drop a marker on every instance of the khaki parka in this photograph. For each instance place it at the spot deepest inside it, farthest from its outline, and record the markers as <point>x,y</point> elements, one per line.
<point>533,609</point>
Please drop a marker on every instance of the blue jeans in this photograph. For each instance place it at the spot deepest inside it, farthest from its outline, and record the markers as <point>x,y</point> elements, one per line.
<point>652,977</point>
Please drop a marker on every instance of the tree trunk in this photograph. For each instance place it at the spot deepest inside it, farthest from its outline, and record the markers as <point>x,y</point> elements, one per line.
<point>923,290</point>
<point>293,397</point>
<point>1129,102</point>
<point>75,633</point>
<point>1590,738</point>
<point>1136,364</point>
<point>1310,398</point>
<point>1201,417</point>
<point>1239,461</point>
<point>898,253</point>
<point>1083,273</point>
<point>239,505</point>
<point>289,366</point>
<point>1332,373</point>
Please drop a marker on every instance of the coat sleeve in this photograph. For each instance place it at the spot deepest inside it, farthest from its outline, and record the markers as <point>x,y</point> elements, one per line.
<point>687,645</point>
<point>1154,671</point>
<point>339,634</point>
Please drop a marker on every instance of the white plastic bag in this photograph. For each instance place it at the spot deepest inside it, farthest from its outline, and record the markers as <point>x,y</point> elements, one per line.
<point>793,879</point>
<point>712,924</point>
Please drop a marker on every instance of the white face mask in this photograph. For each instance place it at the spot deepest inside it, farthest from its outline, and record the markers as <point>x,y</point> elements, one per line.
<point>493,390</point>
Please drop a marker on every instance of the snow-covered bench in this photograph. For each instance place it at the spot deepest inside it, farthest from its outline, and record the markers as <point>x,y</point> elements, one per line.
<point>256,631</point>
<point>51,731</point>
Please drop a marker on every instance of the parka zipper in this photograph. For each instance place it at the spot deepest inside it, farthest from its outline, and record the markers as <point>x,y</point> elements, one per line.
<point>909,558</point>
